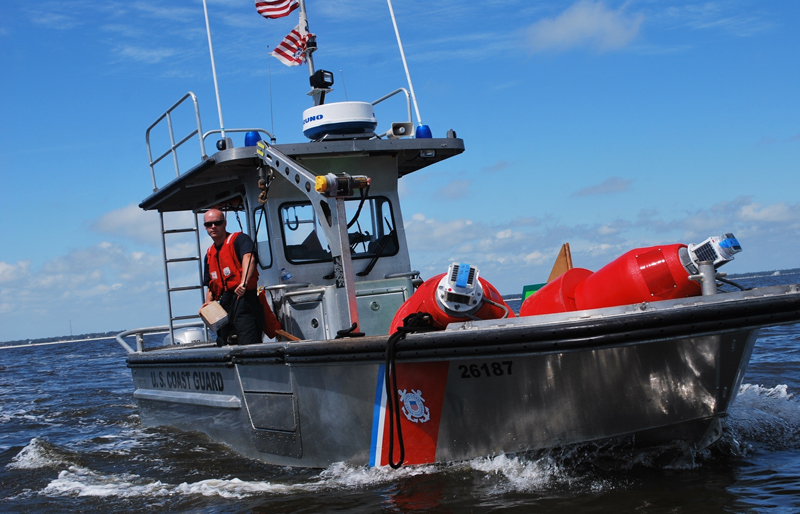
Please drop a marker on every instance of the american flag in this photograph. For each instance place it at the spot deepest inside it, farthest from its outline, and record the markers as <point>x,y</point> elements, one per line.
<point>291,50</point>
<point>276,8</point>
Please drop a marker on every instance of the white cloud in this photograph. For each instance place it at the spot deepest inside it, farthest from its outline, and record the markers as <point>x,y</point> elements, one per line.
<point>101,287</point>
<point>516,252</point>
<point>719,16</point>
<point>455,189</point>
<point>132,223</point>
<point>430,234</point>
<point>608,186</point>
<point>146,55</point>
<point>12,272</point>
<point>607,230</point>
<point>585,24</point>
<point>54,20</point>
<point>498,166</point>
<point>778,212</point>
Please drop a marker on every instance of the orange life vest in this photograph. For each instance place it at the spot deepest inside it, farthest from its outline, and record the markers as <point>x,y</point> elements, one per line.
<point>225,268</point>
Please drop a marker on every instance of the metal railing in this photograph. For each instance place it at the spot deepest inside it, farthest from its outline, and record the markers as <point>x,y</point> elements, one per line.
<point>173,149</point>
<point>220,131</point>
<point>140,332</point>
<point>400,90</point>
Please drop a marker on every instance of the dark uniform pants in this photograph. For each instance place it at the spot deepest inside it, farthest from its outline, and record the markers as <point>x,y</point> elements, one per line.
<point>245,319</point>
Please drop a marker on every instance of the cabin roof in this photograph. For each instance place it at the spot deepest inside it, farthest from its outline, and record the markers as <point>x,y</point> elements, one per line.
<point>221,176</point>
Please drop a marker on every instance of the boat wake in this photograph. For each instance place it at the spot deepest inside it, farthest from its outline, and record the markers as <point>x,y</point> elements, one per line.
<point>766,416</point>
<point>761,417</point>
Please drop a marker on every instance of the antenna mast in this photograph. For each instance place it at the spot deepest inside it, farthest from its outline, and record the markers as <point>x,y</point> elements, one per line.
<point>214,70</point>
<point>405,64</point>
<point>304,21</point>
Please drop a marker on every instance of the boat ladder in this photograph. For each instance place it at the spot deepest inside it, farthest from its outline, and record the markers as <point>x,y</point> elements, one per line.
<point>175,266</point>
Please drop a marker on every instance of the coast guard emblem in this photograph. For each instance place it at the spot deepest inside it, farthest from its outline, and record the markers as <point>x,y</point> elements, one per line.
<point>414,406</point>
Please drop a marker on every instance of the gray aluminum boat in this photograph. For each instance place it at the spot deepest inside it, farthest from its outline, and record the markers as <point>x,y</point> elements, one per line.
<point>659,370</point>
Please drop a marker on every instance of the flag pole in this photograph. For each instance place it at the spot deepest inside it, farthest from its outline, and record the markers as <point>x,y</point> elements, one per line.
<point>214,70</point>
<point>316,95</point>
<point>304,21</point>
<point>405,64</point>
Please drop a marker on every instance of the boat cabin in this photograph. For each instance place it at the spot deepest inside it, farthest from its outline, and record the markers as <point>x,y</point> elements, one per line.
<point>319,280</point>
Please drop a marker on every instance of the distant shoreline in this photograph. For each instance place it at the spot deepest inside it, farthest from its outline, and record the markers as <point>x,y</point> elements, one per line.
<point>28,345</point>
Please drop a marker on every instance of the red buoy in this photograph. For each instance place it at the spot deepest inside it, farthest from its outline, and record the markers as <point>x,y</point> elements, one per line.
<point>449,301</point>
<point>556,296</point>
<point>641,275</point>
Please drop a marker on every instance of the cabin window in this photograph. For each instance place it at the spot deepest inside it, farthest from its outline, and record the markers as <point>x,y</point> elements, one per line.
<point>262,237</point>
<point>371,233</point>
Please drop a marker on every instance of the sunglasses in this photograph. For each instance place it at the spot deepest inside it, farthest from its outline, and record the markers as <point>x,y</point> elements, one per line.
<point>217,223</point>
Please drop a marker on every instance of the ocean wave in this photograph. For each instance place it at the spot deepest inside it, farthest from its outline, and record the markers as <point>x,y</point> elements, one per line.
<point>79,481</point>
<point>761,414</point>
<point>40,454</point>
<point>521,474</point>
<point>764,415</point>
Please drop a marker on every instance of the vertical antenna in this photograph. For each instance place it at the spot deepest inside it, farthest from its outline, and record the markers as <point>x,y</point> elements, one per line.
<point>214,70</point>
<point>344,85</point>
<point>271,107</point>
<point>405,65</point>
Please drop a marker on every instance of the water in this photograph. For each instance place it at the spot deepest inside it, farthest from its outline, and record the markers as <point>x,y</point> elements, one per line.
<point>71,440</point>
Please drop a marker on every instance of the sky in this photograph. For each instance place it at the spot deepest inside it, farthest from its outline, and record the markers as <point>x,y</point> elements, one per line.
<point>610,125</point>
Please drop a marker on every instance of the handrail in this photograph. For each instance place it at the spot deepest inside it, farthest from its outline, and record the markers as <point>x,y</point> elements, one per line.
<point>408,99</point>
<point>198,131</point>
<point>219,131</point>
<point>139,332</point>
<point>277,287</point>
<point>403,274</point>
<point>173,145</point>
<point>305,292</point>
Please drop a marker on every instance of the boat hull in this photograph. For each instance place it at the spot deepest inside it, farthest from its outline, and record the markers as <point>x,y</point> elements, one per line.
<point>659,372</point>
<point>315,414</point>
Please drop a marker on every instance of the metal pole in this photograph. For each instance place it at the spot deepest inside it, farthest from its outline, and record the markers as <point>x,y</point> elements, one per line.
<point>304,21</point>
<point>317,96</point>
<point>214,69</point>
<point>405,65</point>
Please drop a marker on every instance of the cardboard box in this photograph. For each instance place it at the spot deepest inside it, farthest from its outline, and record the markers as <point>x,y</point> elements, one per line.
<point>214,315</point>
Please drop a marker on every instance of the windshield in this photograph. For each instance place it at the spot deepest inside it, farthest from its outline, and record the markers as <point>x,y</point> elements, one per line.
<point>371,233</point>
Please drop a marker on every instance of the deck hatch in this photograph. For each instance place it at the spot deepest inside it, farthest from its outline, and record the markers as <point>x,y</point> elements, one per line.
<point>272,411</point>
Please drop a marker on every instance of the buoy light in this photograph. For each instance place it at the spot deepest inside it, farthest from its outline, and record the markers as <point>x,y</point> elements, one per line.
<point>251,138</point>
<point>423,132</point>
<point>718,250</point>
<point>459,290</point>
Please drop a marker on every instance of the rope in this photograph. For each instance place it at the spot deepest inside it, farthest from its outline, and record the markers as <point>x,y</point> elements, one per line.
<point>732,283</point>
<point>349,332</point>
<point>264,183</point>
<point>364,194</point>
<point>417,322</point>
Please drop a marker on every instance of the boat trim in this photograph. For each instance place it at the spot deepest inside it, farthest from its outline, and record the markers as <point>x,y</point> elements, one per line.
<point>205,400</point>
<point>631,324</point>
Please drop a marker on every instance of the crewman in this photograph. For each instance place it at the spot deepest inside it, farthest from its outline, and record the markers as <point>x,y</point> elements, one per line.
<point>231,276</point>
